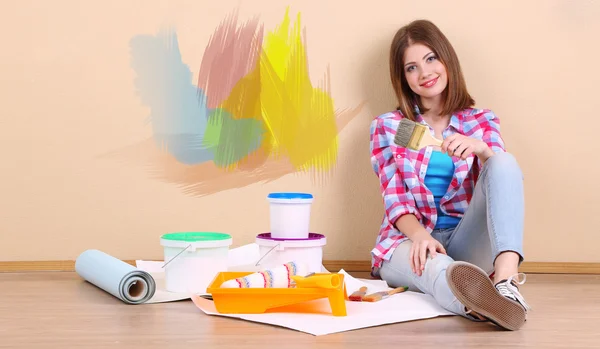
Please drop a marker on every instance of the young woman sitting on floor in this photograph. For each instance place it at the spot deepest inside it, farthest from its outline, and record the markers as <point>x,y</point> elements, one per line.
<point>453,222</point>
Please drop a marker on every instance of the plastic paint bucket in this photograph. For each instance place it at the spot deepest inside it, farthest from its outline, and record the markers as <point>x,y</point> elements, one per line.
<point>193,259</point>
<point>274,251</point>
<point>290,215</point>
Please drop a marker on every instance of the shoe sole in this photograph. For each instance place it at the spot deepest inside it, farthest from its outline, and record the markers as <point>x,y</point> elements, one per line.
<point>474,289</point>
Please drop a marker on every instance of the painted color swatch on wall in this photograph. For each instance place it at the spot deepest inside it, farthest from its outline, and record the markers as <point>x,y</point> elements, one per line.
<point>253,104</point>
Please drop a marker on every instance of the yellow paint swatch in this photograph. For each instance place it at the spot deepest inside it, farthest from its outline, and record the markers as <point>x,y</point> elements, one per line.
<point>299,117</point>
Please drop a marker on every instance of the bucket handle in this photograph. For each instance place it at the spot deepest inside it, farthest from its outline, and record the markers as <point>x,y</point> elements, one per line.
<point>266,254</point>
<point>188,246</point>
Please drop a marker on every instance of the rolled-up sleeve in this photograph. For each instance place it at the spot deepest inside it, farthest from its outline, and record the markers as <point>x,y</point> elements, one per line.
<point>397,199</point>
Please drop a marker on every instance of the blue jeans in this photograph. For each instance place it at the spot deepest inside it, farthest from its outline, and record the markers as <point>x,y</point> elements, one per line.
<point>492,224</point>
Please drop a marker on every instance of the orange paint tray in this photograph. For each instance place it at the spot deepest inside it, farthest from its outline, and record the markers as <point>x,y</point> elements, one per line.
<point>259,300</point>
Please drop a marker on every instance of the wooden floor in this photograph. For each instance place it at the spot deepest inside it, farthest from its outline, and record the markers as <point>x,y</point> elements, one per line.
<point>59,310</point>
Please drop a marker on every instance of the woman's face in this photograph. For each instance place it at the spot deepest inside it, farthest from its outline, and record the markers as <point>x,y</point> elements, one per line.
<point>424,72</point>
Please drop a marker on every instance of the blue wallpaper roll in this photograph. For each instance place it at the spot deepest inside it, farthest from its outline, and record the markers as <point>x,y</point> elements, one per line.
<point>122,280</point>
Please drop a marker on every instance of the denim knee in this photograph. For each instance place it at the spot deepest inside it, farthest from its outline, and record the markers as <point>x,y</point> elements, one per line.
<point>503,163</point>
<point>438,284</point>
<point>438,264</point>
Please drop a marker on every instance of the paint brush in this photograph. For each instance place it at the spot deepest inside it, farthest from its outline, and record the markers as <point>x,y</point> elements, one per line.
<point>412,135</point>
<point>377,296</point>
<point>357,296</point>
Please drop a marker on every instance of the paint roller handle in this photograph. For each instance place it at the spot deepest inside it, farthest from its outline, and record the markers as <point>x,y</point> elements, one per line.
<point>318,280</point>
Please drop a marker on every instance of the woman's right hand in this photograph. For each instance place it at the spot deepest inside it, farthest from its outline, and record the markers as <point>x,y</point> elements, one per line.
<point>422,242</point>
<point>421,245</point>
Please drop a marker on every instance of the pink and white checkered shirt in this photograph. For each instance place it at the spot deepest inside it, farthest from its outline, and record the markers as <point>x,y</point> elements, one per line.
<point>401,174</point>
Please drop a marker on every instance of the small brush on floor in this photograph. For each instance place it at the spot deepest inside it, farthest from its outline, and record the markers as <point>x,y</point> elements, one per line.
<point>377,296</point>
<point>357,296</point>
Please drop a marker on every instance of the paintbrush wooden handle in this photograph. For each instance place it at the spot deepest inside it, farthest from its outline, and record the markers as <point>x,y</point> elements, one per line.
<point>377,296</point>
<point>398,290</point>
<point>428,139</point>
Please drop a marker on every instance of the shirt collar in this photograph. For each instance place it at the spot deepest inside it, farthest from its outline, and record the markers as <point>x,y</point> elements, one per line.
<point>455,119</point>
<point>418,116</point>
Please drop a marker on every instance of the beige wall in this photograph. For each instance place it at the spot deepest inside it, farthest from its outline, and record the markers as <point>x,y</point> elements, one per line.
<point>72,126</point>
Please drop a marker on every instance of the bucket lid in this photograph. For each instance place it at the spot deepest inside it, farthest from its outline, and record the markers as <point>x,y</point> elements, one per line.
<point>196,239</point>
<point>290,196</point>
<point>313,240</point>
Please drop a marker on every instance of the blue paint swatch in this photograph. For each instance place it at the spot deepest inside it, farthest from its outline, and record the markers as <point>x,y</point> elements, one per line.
<point>178,111</point>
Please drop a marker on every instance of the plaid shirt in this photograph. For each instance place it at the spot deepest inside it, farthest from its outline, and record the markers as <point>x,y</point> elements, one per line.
<point>401,174</point>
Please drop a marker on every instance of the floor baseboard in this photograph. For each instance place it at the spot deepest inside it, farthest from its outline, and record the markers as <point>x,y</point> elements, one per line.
<point>332,265</point>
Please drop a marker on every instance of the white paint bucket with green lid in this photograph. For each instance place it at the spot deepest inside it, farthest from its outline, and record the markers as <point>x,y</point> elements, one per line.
<point>193,259</point>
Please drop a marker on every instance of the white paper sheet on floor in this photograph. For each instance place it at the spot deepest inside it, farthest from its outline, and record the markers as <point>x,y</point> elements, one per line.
<point>407,306</point>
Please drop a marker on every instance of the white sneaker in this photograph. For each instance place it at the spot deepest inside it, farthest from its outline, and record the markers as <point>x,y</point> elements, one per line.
<point>508,289</point>
<point>474,289</point>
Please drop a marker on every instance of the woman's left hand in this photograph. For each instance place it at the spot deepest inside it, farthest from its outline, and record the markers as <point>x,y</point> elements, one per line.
<point>462,146</point>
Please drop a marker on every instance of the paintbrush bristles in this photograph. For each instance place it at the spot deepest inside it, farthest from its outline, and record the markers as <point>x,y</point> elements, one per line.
<point>412,135</point>
<point>358,295</point>
<point>404,132</point>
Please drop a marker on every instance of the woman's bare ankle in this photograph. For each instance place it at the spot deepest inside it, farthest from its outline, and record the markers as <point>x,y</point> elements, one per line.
<point>505,266</point>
